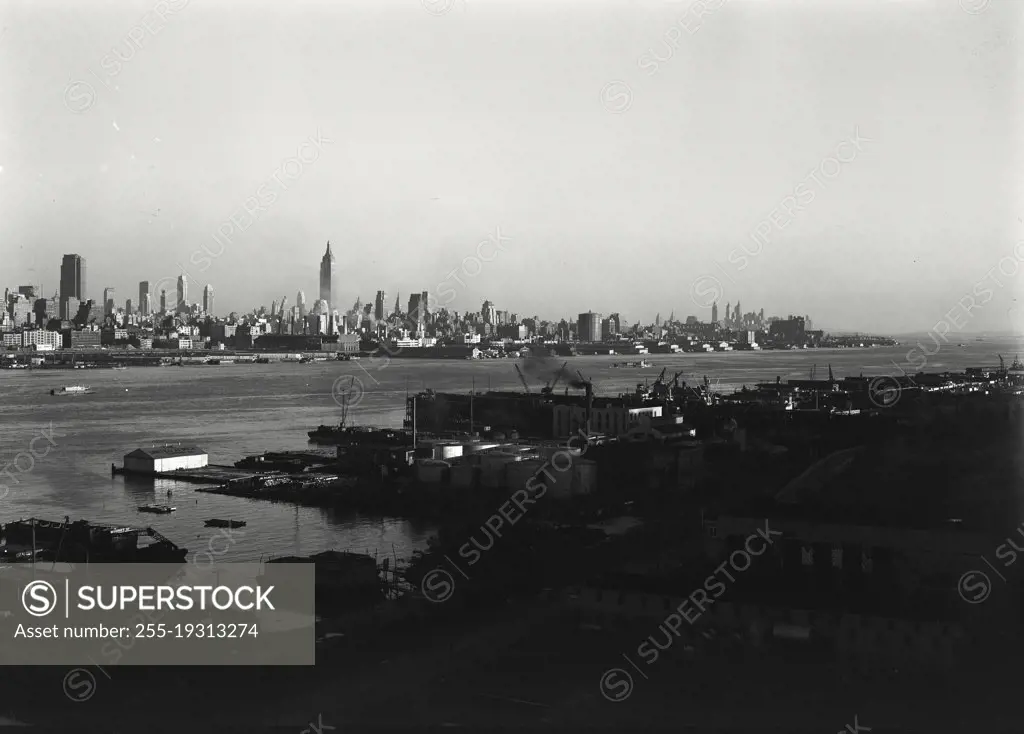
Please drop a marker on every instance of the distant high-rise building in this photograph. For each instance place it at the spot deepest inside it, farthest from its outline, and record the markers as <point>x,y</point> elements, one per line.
<point>163,301</point>
<point>488,312</point>
<point>398,300</point>
<point>714,312</point>
<point>424,305</point>
<point>72,283</point>
<point>415,307</point>
<point>327,271</point>
<point>378,305</point>
<point>615,324</point>
<point>208,299</point>
<point>145,306</point>
<point>300,303</point>
<point>29,291</point>
<point>589,327</point>
<point>727,307</point>
<point>108,301</point>
<point>182,303</point>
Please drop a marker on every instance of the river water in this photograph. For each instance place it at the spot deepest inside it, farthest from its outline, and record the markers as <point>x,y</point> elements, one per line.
<point>235,410</point>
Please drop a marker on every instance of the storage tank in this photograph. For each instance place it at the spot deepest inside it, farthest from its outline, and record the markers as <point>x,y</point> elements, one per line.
<point>431,471</point>
<point>463,476</point>
<point>519,473</point>
<point>451,451</point>
<point>492,468</point>
<point>475,447</point>
<point>561,487</point>
<point>585,479</point>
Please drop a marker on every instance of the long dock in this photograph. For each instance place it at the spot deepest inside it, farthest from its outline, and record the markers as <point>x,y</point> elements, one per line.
<point>211,474</point>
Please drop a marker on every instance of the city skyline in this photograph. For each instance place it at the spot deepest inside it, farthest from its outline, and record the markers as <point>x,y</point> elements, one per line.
<point>73,272</point>
<point>672,199</point>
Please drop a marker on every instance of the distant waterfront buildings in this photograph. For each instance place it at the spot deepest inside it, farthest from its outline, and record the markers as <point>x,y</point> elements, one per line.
<point>72,283</point>
<point>327,273</point>
<point>145,306</point>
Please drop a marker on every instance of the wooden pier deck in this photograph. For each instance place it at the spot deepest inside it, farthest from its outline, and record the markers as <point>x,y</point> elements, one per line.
<point>211,474</point>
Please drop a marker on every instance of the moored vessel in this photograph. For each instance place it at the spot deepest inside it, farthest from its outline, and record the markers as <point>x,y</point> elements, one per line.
<point>71,390</point>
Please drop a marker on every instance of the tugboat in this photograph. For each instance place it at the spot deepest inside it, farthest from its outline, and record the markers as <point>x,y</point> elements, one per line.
<point>158,509</point>
<point>72,390</point>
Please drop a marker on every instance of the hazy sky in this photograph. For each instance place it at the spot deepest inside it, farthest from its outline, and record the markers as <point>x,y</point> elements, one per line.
<point>617,180</point>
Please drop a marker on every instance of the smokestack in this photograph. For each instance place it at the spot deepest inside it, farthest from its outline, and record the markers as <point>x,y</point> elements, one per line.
<point>590,403</point>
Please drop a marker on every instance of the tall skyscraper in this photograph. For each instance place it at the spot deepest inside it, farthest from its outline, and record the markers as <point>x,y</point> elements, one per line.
<point>714,312</point>
<point>300,303</point>
<point>415,307</point>
<point>144,302</point>
<point>163,301</point>
<point>182,303</point>
<point>327,266</point>
<point>128,306</point>
<point>72,282</point>
<point>108,300</point>
<point>589,327</point>
<point>208,299</point>
<point>378,305</point>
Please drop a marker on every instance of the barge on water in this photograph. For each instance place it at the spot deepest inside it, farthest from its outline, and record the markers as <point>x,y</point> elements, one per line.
<point>82,541</point>
<point>218,523</point>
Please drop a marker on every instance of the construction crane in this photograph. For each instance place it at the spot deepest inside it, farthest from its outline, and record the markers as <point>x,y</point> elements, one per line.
<point>550,388</point>
<point>522,379</point>
<point>661,376</point>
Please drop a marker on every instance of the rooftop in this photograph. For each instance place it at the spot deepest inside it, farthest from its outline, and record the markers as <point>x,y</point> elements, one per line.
<point>167,452</point>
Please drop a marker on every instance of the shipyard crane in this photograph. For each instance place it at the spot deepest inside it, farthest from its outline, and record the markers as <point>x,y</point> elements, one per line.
<point>522,379</point>
<point>661,376</point>
<point>550,388</point>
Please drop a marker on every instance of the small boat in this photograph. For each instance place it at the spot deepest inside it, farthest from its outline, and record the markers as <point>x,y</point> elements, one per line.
<point>71,390</point>
<point>158,509</point>
<point>218,523</point>
<point>119,367</point>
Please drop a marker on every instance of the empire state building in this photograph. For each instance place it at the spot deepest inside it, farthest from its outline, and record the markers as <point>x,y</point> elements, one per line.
<point>327,277</point>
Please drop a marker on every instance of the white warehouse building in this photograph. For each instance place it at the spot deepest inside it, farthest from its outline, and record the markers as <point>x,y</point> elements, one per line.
<point>165,458</point>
